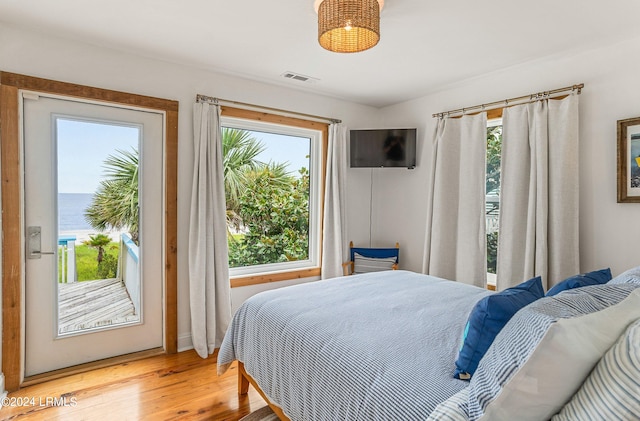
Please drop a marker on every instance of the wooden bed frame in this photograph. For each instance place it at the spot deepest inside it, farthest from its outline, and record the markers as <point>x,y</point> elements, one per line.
<point>244,380</point>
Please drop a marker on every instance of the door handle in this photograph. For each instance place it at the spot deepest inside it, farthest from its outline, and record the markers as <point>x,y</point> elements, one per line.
<point>34,243</point>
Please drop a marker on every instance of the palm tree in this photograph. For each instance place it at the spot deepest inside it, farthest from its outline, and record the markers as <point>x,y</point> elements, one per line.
<point>115,203</point>
<point>239,159</point>
<point>98,241</point>
<point>494,150</point>
<point>240,165</point>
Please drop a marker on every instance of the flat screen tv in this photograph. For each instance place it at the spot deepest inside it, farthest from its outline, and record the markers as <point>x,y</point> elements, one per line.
<point>383,148</point>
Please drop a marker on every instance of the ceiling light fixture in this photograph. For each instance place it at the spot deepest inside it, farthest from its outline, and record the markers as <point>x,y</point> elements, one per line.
<point>348,26</point>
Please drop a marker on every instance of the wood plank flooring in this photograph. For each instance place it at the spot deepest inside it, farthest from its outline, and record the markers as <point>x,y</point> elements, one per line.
<point>181,386</point>
<point>89,304</point>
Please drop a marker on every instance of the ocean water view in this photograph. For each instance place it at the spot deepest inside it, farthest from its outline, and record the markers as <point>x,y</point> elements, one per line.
<point>71,207</point>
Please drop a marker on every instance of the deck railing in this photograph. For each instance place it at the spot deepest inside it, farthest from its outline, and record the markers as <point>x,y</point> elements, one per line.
<point>67,256</point>
<point>492,213</point>
<point>128,265</point>
<point>128,269</point>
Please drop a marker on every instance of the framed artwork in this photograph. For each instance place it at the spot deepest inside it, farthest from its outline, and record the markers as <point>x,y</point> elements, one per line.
<point>629,160</point>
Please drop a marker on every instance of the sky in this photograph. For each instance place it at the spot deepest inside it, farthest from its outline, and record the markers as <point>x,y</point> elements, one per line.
<point>282,148</point>
<point>84,146</point>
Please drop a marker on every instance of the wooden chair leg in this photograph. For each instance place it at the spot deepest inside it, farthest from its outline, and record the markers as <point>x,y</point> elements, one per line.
<point>345,268</point>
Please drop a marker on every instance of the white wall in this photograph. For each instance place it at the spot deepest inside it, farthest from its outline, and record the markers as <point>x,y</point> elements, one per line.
<point>609,232</point>
<point>72,61</point>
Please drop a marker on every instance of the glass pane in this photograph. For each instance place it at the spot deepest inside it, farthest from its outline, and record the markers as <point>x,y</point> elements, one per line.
<point>267,190</point>
<point>98,274</point>
<point>634,165</point>
<point>492,210</point>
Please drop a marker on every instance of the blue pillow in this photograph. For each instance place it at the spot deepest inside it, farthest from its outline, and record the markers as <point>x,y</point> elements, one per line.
<point>487,318</point>
<point>596,277</point>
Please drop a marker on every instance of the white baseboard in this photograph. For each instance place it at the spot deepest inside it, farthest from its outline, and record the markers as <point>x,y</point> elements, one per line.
<point>185,343</point>
<point>3,392</point>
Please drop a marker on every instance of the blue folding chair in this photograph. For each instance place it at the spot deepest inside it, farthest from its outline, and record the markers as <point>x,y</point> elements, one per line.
<point>365,259</point>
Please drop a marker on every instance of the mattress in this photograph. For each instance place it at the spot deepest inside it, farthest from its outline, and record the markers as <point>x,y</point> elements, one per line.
<point>376,346</point>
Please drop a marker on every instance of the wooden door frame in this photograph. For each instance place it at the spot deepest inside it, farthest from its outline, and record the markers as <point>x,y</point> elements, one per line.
<point>12,212</point>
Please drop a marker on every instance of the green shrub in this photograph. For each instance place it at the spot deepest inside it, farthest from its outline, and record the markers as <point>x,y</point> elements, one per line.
<point>492,252</point>
<point>87,263</point>
<point>276,218</point>
<point>108,267</point>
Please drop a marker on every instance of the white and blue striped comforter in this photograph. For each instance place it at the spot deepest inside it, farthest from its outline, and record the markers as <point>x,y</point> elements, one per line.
<point>378,346</point>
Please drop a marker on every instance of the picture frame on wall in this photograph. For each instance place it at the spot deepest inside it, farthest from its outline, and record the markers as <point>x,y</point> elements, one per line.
<point>629,160</point>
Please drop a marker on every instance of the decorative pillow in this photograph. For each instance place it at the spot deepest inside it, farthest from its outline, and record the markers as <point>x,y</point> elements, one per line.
<point>540,359</point>
<point>592,278</point>
<point>632,276</point>
<point>608,392</point>
<point>487,318</point>
<point>363,264</point>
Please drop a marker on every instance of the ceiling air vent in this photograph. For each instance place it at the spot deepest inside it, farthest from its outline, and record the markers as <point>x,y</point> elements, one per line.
<point>299,77</point>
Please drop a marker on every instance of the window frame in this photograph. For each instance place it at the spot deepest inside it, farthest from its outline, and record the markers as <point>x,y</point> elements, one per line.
<point>262,121</point>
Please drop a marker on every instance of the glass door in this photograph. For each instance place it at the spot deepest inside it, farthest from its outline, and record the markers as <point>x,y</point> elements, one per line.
<point>92,199</point>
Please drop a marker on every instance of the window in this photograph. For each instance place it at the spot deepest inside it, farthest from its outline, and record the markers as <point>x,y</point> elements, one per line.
<point>492,209</point>
<point>273,171</point>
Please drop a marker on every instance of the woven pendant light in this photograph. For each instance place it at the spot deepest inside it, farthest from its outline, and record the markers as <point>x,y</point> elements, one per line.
<point>349,26</point>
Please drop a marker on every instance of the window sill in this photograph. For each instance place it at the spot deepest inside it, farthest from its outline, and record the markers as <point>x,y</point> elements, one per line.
<point>264,278</point>
<point>491,281</point>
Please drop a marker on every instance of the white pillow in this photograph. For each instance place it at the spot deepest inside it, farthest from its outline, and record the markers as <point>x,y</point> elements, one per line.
<point>453,409</point>
<point>631,276</point>
<point>612,390</point>
<point>363,264</point>
<point>540,359</point>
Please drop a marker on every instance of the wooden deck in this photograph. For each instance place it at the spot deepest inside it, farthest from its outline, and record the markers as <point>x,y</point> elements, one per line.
<point>91,304</point>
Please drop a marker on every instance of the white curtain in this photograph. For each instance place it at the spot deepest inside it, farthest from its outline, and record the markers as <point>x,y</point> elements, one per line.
<point>455,246</point>
<point>334,250</point>
<point>538,234</point>
<point>209,288</point>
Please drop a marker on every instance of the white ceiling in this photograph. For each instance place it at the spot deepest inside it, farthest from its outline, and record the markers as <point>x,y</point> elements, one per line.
<point>424,44</point>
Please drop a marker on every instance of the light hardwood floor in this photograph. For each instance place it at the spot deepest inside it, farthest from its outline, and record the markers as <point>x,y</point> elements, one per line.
<point>168,387</point>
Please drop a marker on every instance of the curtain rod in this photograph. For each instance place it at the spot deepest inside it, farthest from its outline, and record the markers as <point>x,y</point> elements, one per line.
<point>518,100</point>
<point>213,100</point>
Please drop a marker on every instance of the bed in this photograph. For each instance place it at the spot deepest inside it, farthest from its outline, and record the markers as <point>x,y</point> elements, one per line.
<point>381,346</point>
